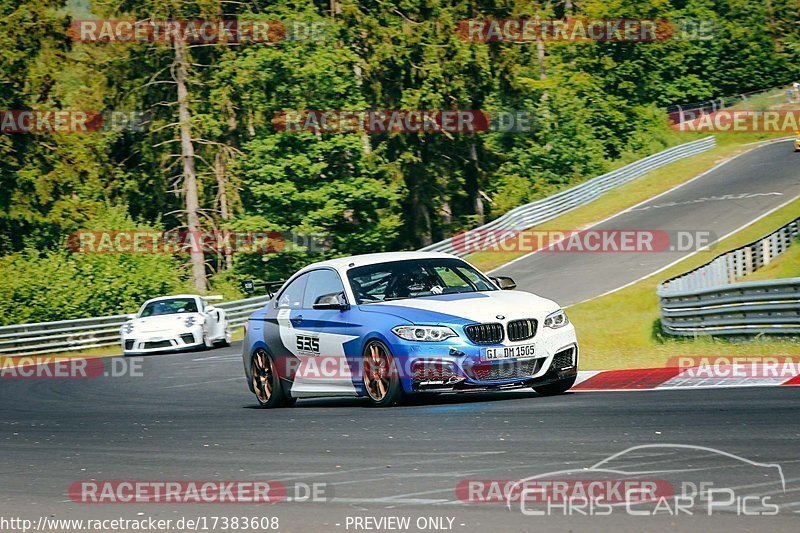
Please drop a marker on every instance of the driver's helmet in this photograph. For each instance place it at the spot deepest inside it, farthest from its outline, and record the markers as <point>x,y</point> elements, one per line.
<point>414,279</point>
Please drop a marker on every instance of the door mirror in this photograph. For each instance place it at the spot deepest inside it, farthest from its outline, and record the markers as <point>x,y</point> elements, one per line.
<point>504,283</point>
<point>334,300</point>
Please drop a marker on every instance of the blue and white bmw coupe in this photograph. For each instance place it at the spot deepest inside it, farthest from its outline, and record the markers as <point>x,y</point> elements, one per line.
<point>381,326</point>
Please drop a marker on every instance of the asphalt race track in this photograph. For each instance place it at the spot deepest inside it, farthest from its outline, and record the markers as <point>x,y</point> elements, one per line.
<point>719,202</point>
<point>190,417</point>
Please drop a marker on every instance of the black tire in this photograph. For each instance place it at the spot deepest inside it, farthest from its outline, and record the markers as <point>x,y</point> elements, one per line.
<point>380,375</point>
<point>559,387</point>
<point>288,401</point>
<point>207,344</point>
<point>225,342</point>
<point>267,385</point>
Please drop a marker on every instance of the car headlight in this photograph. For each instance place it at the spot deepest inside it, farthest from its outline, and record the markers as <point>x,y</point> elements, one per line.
<point>189,322</point>
<point>128,328</point>
<point>424,333</point>
<point>556,320</point>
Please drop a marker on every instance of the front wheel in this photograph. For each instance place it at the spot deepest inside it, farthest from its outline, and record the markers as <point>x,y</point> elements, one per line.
<point>266,382</point>
<point>381,379</point>
<point>559,387</point>
<point>207,343</point>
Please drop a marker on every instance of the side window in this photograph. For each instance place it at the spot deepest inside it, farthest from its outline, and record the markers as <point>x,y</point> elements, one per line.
<point>450,277</point>
<point>292,296</point>
<point>474,278</point>
<point>321,283</point>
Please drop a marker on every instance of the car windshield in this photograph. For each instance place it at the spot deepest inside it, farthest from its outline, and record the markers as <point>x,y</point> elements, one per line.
<point>169,307</point>
<point>415,278</point>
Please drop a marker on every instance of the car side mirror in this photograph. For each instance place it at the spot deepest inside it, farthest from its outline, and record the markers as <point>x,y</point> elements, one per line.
<point>332,301</point>
<point>504,283</point>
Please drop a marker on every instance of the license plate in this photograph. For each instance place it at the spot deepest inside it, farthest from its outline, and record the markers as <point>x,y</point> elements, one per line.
<point>508,352</point>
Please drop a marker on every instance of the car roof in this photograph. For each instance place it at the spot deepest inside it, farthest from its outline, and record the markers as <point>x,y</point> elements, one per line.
<point>344,263</point>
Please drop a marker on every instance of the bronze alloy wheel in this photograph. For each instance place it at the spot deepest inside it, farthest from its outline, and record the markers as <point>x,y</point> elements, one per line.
<point>381,378</point>
<point>263,376</point>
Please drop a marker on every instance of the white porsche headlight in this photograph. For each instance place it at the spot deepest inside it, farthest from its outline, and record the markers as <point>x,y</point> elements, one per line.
<point>424,333</point>
<point>556,320</point>
<point>189,321</point>
<point>128,328</point>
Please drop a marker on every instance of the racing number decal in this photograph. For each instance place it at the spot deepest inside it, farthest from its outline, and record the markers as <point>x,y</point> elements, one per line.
<point>307,345</point>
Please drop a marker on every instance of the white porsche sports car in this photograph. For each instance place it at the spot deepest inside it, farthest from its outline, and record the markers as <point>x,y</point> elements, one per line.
<point>173,323</point>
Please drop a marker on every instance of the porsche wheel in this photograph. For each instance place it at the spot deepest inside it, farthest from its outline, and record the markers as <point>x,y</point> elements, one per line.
<point>225,341</point>
<point>228,336</point>
<point>381,379</point>
<point>266,383</point>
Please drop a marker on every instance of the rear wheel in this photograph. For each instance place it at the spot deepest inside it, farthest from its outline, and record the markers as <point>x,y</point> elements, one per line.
<point>381,378</point>
<point>266,383</point>
<point>226,340</point>
<point>559,387</point>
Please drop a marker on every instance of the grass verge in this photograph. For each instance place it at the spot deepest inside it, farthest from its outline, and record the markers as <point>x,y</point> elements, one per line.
<point>7,361</point>
<point>103,351</point>
<point>621,330</point>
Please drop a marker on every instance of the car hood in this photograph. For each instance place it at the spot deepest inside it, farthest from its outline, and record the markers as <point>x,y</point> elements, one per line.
<point>466,308</point>
<point>165,322</point>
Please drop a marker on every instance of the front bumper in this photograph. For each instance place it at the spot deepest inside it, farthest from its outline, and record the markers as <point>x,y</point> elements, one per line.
<point>459,366</point>
<point>145,343</point>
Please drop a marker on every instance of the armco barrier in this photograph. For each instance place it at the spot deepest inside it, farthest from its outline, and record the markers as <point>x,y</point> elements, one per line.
<point>709,301</point>
<point>680,113</point>
<point>85,333</point>
<point>529,215</point>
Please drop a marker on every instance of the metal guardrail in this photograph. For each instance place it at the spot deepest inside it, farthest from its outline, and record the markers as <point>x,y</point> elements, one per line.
<point>85,333</point>
<point>709,301</point>
<point>529,215</point>
<point>687,112</point>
